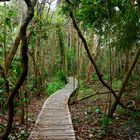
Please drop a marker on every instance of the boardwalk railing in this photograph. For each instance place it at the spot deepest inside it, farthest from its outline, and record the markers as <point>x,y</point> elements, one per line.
<point>54,121</point>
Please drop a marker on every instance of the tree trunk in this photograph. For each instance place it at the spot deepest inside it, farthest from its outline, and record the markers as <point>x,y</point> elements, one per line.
<point>94,64</point>
<point>114,106</point>
<point>24,62</point>
<point>62,53</point>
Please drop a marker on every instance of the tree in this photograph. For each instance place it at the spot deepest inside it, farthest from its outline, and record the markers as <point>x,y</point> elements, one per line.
<point>126,77</point>
<point>24,63</point>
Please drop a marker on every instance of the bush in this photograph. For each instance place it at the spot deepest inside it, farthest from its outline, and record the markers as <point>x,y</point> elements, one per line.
<point>53,87</point>
<point>61,76</point>
<point>106,77</point>
<point>105,121</point>
<point>117,84</point>
<point>94,77</point>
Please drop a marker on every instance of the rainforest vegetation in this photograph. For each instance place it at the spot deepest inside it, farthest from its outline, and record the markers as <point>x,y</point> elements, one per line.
<point>43,42</point>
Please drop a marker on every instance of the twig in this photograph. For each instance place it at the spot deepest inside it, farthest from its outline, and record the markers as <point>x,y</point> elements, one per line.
<point>126,77</point>
<point>98,93</point>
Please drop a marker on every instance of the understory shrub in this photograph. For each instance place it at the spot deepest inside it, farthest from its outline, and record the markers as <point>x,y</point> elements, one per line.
<point>54,86</point>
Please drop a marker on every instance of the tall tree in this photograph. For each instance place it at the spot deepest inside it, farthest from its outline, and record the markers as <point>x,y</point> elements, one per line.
<point>126,77</point>
<point>24,63</point>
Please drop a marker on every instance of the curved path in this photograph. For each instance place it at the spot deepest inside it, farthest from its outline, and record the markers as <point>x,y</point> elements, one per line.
<point>54,121</point>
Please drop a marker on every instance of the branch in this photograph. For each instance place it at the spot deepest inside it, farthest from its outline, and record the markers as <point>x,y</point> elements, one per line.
<point>24,48</point>
<point>124,83</point>
<point>6,83</point>
<point>89,54</point>
<point>96,68</point>
<point>18,38</point>
<point>98,93</point>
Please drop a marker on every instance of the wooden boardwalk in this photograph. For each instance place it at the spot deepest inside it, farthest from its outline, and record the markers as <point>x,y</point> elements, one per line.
<point>54,121</point>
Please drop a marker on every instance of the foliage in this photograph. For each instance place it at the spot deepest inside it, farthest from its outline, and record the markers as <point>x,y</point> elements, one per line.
<point>61,76</point>
<point>129,34</point>
<point>117,84</point>
<point>53,87</point>
<point>71,64</point>
<point>121,111</point>
<point>94,77</point>
<point>23,135</point>
<point>97,110</point>
<point>133,121</point>
<point>116,22</point>
<point>106,77</point>
<point>117,18</point>
<point>105,121</point>
<point>84,90</point>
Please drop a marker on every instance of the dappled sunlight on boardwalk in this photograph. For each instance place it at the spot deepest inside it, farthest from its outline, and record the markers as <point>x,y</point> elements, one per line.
<point>54,121</point>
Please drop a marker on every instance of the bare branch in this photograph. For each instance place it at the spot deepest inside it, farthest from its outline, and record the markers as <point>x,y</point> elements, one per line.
<point>126,77</point>
<point>89,54</point>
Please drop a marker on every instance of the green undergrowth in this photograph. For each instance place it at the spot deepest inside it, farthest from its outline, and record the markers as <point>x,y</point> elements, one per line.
<point>84,91</point>
<point>117,84</point>
<point>54,86</point>
<point>106,77</point>
<point>134,120</point>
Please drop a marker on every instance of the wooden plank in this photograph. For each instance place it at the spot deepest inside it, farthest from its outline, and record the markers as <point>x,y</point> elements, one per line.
<point>54,121</point>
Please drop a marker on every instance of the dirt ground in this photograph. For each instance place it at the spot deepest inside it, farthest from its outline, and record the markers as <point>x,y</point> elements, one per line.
<point>90,123</point>
<point>22,131</point>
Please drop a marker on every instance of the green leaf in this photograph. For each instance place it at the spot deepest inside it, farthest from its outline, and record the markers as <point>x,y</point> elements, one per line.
<point>97,110</point>
<point>25,100</point>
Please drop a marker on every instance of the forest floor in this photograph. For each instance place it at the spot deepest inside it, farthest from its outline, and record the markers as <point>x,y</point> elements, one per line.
<point>34,109</point>
<point>89,120</point>
<point>91,124</point>
<point>22,131</point>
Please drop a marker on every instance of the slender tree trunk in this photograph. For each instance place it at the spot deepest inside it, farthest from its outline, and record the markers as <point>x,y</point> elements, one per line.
<point>126,66</point>
<point>24,62</point>
<point>95,66</point>
<point>62,52</point>
<point>114,106</point>
<point>88,52</point>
